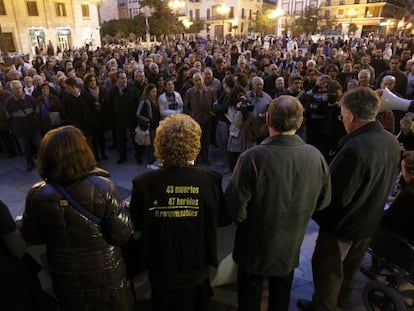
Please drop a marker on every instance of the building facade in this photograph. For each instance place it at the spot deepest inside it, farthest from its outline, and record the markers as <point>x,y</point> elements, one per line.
<point>235,19</point>
<point>108,10</point>
<point>366,16</point>
<point>26,26</point>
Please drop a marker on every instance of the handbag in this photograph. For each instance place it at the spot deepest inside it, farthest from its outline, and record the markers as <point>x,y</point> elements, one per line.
<point>142,138</point>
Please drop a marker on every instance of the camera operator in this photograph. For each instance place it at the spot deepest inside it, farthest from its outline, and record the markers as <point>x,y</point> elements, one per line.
<point>316,103</point>
<point>242,132</point>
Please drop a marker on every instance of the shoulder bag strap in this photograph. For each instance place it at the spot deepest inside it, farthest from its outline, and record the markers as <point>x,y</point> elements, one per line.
<point>95,219</point>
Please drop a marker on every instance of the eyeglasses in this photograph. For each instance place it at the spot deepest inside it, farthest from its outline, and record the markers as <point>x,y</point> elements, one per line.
<point>341,116</point>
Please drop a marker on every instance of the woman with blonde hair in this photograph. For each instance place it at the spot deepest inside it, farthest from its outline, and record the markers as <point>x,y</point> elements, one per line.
<point>87,270</point>
<point>175,209</point>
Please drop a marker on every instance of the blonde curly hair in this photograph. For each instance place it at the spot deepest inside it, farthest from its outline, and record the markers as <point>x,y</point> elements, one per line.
<point>177,140</point>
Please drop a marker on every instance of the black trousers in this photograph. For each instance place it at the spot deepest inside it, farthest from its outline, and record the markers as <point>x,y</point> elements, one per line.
<point>183,299</point>
<point>122,137</point>
<point>205,140</point>
<point>7,139</point>
<point>250,291</point>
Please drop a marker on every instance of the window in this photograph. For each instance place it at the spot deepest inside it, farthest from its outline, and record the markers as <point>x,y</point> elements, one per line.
<point>341,12</point>
<point>2,8</point>
<point>85,10</point>
<point>243,13</point>
<point>191,15</point>
<point>208,14</point>
<point>32,8</point>
<point>197,14</point>
<point>60,9</point>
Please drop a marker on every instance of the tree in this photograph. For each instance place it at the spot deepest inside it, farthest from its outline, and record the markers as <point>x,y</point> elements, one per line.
<point>196,26</point>
<point>307,21</point>
<point>162,20</point>
<point>263,24</point>
<point>353,28</point>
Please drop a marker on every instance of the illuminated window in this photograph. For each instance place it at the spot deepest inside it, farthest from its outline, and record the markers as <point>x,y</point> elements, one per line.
<point>85,10</point>
<point>32,8</point>
<point>60,9</point>
<point>2,8</point>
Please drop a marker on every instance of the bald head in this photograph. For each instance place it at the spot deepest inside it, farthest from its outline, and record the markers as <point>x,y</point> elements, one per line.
<point>389,82</point>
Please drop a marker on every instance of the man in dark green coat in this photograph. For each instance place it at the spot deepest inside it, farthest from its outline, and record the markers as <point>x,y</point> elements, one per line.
<point>275,188</point>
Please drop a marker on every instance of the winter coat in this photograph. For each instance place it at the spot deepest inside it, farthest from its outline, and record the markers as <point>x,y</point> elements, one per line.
<point>275,188</point>
<point>88,272</point>
<point>362,172</point>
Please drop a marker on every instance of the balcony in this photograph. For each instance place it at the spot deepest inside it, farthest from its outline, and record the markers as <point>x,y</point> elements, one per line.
<point>326,3</point>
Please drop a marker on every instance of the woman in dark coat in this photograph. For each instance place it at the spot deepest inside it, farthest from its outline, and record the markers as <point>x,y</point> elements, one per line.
<point>15,280</point>
<point>175,209</point>
<point>100,94</point>
<point>399,217</point>
<point>84,258</point>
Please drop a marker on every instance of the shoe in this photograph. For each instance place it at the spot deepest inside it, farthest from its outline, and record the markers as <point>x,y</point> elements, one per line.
<point>120,161</point>
<point>153,167</point>
<point>29,167</point>
<point>304,305</point>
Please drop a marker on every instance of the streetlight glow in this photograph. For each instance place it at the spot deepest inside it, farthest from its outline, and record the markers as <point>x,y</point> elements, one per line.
<point>223,10</point>
<point>275,14</point>
<point>176,5</point>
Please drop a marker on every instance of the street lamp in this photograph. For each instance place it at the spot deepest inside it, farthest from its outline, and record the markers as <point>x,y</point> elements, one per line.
<point>275,14</point>
<point>147,28</point>
<point>223,10</point>
<point>187,24</point>
<point>176,5</point>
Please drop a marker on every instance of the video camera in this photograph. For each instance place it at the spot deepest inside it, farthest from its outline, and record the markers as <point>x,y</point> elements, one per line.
<point>244,105</point>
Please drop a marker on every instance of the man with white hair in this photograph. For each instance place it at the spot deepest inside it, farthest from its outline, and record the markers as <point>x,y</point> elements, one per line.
<point>198,102</point>
<point>153,73</point>
<point>23,116</point>
<point>364,78</point>
<point>260,100</point>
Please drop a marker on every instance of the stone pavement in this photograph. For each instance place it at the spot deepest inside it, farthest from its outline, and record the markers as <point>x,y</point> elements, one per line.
<point>15,182</point>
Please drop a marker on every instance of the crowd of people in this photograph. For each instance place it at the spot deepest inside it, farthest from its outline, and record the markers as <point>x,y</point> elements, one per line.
<point>305,137</point>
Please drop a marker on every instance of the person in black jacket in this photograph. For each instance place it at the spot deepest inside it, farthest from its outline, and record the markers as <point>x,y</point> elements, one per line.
<point>362,172</point>
<point>16,283</point>
<point>175,208</point>
<point>123,103</point>
<point>274,190</point>
<point>87,270</point>
<point>400,216</point>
